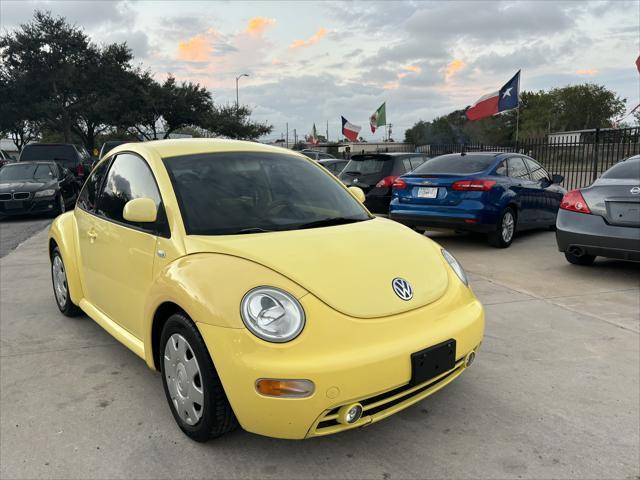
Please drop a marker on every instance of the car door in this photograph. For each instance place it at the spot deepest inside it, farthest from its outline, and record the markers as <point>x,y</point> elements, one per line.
<point>66,183</point>
<point>523,188</point>
<point>117,255</point>
<point>549,195</point>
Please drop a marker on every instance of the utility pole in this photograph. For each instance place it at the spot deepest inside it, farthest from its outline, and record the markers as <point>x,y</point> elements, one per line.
<point>237,94</point>
<point>287,134</point>
<point>327,131</point>
<point>295,137</point>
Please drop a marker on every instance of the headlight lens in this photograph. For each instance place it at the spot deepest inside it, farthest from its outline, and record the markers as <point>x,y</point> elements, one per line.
<point>455,266</point>
<point>45,193</point>
<point>272,314</point>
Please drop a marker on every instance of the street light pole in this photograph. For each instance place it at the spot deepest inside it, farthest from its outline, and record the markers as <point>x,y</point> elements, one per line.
<point>237,95</point>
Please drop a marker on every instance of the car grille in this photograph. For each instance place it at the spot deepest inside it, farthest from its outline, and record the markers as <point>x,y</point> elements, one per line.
<point>5,196</point>
<point>21,195</point>
<point>381,406</point>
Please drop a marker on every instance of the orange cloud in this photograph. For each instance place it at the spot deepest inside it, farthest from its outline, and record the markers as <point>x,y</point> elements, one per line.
<point>587,71</point>
<point>452,68</point>
<point>196,49</point>
<point>313,39</point>
<point>257,25</point>
<point>413,68</point>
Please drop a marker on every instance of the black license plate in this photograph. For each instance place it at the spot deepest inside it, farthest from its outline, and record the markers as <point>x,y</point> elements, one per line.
<point>13,204</point>
<point>433,361</point>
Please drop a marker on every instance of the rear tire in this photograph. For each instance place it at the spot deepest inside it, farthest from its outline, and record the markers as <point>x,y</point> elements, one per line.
<point>505,230</point>
<point>61,286</point>
<point>584,260</point>
<point>191,384</point>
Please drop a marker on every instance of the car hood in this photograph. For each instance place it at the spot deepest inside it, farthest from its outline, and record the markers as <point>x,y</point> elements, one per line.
<point>349,267</point>
<point>25,186</point>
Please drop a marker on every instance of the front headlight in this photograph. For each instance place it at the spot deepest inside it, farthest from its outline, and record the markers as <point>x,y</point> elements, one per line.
<point>272,314</point>
<point>45,193</point>
<point>455,266</point>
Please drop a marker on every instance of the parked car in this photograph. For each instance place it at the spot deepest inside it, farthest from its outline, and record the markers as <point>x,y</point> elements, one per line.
<point>230,289</point>
<point>375,173</point>
<point>604,218</point>
<point>110,145</point>
<point>36,188</point>
<point>315,155</point>
<point>494,193</point>
<point>335,166</point>
<point>5,158</point>
<point>72,157</point>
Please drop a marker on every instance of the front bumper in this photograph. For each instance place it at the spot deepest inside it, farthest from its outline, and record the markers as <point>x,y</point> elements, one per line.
<point>594,236</point>
<point>348,359</point>
<point>29,206</point>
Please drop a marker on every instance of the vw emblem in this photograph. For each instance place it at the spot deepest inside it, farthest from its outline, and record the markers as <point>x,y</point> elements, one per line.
<point>635,190</point>
<point>402,288</point>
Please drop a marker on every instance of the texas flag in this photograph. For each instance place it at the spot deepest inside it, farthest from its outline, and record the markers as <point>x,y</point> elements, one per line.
<point>350,130</point>
<point>504,99</point>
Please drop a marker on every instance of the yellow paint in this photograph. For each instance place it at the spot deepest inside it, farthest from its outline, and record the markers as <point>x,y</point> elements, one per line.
<point>358,336</point>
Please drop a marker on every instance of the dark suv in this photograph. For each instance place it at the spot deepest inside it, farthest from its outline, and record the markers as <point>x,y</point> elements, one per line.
<point>74,158</point>
<point>374,173</point>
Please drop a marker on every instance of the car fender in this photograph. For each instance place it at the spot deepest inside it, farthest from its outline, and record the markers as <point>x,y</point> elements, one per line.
<point>209,287</point>
<point>509,197</point>
<point>64,233</point>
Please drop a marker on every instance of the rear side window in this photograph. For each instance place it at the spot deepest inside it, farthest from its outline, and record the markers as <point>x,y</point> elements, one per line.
<point>367,165</point>
<point>537,172</point>
<point>517,168</point>
<point>417,161</point>
<point>129,177</point>
<point>627,170</point>
<point>89,194</point>
<point>456,164</point>
<point>502,169</point>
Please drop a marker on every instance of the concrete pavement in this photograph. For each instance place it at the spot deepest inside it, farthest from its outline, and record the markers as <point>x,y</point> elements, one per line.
<point>14,230</point>
<point>554,392</point>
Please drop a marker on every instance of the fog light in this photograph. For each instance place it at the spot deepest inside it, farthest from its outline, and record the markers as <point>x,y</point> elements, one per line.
<point>350,414</point>
<point>273,387</point>
<point>471,356</point>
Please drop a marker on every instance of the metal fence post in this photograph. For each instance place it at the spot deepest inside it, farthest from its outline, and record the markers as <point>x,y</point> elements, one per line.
<point>595,155</point>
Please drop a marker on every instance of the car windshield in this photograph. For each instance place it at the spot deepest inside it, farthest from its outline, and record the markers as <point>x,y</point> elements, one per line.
<point>25,171</point>
<point>627,170</point>
<point>366,165</point>
<point>455,164</point>
<point>252,192</point>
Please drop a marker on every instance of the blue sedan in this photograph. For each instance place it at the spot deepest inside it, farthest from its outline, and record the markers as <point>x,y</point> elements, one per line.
<point>493,193</point>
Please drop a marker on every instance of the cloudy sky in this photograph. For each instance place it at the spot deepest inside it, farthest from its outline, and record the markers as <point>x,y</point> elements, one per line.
<point>314,61</point>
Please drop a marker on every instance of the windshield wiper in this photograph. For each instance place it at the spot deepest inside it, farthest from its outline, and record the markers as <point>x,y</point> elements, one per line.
<point>251,230</point>
<point>328,222</point>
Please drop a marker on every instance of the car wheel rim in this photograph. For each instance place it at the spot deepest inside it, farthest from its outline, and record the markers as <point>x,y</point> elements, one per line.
<point>59,281</point>
<point>184,381</point>
<point>508,226</point>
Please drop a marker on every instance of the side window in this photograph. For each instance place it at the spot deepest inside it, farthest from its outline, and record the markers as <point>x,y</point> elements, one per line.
<point>129,177</point>
<point>406,163</point>
<point>537,172</point>
<point>502,169</point>
<point>417,161</point>
<point>517,168</point>
<point>89,194</point>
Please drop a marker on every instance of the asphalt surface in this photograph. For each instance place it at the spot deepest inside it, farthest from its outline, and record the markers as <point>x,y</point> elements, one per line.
<point>15,230</point>
<point>554,392</point>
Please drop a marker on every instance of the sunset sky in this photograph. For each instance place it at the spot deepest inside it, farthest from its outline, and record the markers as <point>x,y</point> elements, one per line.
<point>312,62</point>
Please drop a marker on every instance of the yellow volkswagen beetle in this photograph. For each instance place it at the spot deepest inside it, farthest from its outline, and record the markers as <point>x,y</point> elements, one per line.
<point>261,288</point>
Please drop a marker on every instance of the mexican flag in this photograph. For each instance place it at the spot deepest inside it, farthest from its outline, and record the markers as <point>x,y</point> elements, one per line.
<point>379,117</point>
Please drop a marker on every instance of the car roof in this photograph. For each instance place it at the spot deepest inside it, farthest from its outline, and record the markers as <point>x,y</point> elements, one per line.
<point>386,154</point>
<point>331,160</point>
<point>193,146</point>
<point>37,162</point>
<point>49,145</point>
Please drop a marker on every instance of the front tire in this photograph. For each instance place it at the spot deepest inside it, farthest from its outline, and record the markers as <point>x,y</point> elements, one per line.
<point>61,286</point>
<point>505,229</point>
<point>584,260</point>
<point>191,384</point>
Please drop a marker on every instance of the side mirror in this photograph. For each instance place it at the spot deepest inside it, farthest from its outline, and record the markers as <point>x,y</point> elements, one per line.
<point>140,210</point>
<point>358,193</point>
<point>557,179</point>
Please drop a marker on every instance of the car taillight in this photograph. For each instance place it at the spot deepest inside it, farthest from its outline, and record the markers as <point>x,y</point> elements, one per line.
<point>386,181</point>
<point>473,185</point>
<point>80,170</point>
<point>574,202</point>
<point>399,184</point>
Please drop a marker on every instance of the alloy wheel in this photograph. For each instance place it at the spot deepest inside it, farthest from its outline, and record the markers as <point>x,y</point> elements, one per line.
<point>508,226</point>
<point>59,281</point>
<point>184,379</point>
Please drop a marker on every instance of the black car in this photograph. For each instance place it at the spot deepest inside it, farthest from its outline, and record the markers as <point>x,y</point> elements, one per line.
<point>36,188</point>
<point>110,145</point>
<point>5,158</point>
<point>604,218</point>
<point>74,158</point>
<point>334,165</point>
<point>375,173</point>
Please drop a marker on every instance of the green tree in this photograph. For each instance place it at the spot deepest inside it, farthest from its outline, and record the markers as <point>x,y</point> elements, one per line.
<point>233,122</point>
<point>185,104</point>
<point>18,115</point>
<point>578,107</point>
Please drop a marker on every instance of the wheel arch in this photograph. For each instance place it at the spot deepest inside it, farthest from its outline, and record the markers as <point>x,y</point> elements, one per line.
<point>160,317</point>
<point>63,234</point>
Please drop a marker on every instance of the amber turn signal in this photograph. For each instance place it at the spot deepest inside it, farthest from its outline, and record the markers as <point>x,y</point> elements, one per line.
<point>273,387</point>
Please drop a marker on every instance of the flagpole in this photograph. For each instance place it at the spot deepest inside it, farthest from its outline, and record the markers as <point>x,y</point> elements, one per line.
<point>517,123</point>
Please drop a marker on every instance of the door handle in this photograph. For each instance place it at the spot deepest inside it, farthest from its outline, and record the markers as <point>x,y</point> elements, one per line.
<point>92,235</point>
